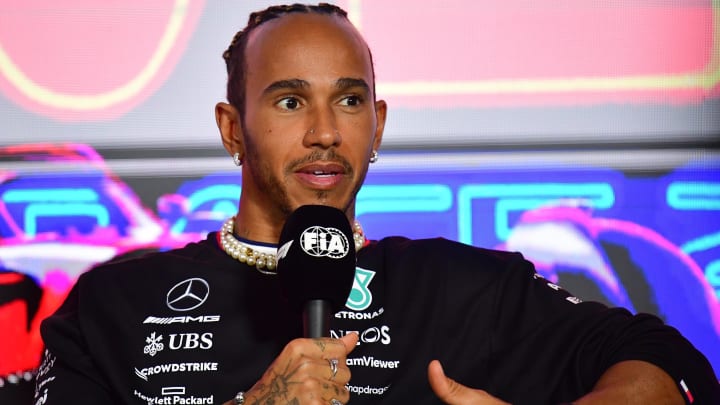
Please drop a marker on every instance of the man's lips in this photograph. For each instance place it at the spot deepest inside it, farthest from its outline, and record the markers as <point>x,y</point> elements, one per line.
<point>321,175</point>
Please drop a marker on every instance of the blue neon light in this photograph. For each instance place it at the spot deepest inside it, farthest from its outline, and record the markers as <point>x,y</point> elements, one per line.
<point>514,197</point>
<point>403,198</point>
<point>712,274</point>
<point>34,211</point>
<point>178,226</point>
<point>214,192</point>
<point>693,195</point>
<point>702,243</point>
<point>50,194</point>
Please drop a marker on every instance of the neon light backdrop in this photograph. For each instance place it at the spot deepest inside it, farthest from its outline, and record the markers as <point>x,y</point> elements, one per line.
<point>584,135</point>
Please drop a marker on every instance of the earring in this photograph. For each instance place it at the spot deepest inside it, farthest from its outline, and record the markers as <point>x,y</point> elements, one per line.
<point>374,156</point>
<point>236,159</point>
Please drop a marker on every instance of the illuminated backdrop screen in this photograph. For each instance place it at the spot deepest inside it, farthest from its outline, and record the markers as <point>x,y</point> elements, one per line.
<point>581,133</point>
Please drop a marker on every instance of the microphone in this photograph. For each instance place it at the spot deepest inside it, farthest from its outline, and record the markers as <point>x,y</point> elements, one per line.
<point>316,264</point>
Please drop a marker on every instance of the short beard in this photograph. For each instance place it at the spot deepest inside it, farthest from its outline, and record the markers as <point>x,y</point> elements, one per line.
<point>277,188</point>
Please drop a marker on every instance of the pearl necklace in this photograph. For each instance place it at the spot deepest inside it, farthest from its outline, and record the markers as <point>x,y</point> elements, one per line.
<point>265,262</point>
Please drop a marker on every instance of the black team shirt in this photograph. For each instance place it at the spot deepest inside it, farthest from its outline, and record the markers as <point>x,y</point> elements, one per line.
<point>194,326</point>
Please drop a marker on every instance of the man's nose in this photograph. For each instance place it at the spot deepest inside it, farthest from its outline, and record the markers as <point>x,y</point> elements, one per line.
<point>322,130</point>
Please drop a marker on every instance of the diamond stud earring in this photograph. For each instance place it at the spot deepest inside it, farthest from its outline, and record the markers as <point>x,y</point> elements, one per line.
<point>374,157</point>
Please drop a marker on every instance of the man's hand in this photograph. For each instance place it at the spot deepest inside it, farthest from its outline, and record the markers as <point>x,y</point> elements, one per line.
<point>627,382</point>
<point>303,373</point>
<point>453,393</point>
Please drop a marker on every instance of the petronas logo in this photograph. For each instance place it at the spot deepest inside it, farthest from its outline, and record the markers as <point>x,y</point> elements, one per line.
<point>360,297</point>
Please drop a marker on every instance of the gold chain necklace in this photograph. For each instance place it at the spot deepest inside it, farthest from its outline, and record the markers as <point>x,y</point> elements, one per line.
<point>265,262</point>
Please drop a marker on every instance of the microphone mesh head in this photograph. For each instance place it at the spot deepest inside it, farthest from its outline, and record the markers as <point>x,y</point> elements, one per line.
<point>316,256</point>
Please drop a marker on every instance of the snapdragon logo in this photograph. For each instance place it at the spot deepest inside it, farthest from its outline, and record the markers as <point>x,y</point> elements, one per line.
<point>367,390</point>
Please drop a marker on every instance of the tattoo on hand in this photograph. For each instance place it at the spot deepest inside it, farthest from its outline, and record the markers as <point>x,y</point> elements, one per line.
<point>320,344</point>
<point>277,391</point>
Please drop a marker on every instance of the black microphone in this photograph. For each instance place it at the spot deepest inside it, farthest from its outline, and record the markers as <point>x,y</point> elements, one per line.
<point>316,264</point>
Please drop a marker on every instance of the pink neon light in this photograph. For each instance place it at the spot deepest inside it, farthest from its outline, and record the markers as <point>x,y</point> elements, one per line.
<point>488,40</point>
<point>86,48</point>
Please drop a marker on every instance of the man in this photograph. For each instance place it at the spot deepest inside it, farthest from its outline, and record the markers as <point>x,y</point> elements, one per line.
<point>207,323</point>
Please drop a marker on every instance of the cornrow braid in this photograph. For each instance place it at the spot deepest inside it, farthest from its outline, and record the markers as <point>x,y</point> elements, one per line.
<point>234,55</point>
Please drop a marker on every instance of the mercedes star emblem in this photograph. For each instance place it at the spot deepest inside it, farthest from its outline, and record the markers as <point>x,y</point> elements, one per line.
<point>187,295</point>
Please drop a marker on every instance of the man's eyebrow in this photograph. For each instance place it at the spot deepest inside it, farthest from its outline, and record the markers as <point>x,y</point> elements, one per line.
<point>348,82</point>
<point>341,83</point>
<point>286,84</point>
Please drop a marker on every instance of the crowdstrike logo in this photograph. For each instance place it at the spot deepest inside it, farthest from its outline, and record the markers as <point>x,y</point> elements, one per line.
<point>170,368</point>
<point>188,295</point>
<point>319,241</point>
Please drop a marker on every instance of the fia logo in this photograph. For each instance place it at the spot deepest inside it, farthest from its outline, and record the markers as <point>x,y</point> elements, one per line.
<point>319,241</point>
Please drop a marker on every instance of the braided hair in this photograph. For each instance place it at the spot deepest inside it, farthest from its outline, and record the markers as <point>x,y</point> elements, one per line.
<point>234,55</point>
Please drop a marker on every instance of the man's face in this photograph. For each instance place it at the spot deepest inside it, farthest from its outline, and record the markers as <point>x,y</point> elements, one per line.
<point>310,120</point>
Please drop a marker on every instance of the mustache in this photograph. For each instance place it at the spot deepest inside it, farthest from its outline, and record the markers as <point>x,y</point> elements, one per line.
<point>327,155</point>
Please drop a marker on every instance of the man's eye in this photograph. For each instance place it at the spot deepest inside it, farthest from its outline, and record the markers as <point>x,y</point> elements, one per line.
<point>351,101</point>
<point>288,103</point>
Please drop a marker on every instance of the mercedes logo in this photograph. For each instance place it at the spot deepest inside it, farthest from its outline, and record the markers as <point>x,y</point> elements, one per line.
<point>188,294</point>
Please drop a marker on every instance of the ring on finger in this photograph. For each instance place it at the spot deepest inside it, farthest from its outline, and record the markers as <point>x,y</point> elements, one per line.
<point>335,402</point>
<point>334,370</point>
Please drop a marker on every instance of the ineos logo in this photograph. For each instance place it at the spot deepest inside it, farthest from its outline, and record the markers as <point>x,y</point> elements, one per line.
<point>188,294</point>
<point>319,241</point>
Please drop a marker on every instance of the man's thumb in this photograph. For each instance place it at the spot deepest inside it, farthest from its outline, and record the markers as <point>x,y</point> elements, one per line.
<point>350,341</point>
<point>444,387</point>
<point>453,393</point>
<point>447,389</point>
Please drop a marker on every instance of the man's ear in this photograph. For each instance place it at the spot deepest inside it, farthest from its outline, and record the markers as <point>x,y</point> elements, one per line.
<point>380,114</point>
<point>228,122</point>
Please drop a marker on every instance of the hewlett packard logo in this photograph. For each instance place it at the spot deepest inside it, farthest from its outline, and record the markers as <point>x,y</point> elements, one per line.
<point>319,241</point>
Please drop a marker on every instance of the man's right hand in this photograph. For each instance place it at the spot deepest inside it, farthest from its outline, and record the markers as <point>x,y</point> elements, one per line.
<point>302,373</point>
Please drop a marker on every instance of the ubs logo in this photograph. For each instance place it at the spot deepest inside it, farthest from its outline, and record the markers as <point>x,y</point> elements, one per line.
<point>319,241</point>
<point>187,295</point>
<point>178,341</point>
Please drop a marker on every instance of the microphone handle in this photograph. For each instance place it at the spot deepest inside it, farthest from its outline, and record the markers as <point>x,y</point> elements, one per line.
<point>316,319</point>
